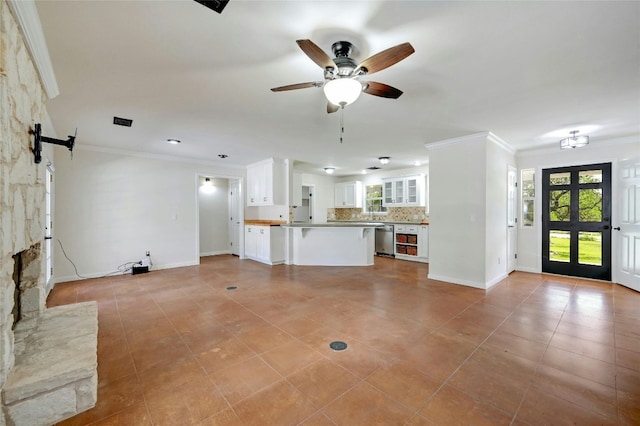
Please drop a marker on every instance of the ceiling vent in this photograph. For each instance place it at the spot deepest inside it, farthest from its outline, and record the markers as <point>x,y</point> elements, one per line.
<point>215,5</point>
<point>118,121</point>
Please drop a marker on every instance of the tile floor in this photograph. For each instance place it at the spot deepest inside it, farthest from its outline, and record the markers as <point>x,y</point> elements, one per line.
<point>176,347</point>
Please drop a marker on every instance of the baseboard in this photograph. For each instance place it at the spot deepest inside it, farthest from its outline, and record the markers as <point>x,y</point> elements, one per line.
<point>451,280</point>
<point>214,253</point>
<point>154,267</point>
<point>526,269</point>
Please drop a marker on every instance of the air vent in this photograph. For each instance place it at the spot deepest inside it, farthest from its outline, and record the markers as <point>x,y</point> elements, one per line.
<point>215,5</point>
<point>373,168</point>
<point>122,121</point>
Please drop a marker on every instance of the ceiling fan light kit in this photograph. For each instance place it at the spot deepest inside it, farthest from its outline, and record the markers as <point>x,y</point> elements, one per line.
<point>342,91</point>
<point>574,141</point>
<point>341,85</point>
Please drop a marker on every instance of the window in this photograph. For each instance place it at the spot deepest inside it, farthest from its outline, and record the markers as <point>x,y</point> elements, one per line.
<point>373,199</point>
<point>527,196</point>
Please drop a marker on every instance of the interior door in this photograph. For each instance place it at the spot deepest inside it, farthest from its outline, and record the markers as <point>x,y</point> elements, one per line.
<point>576,221</point>
<point>234,216</point>
<point>512,242</point>
<point>628,225</point>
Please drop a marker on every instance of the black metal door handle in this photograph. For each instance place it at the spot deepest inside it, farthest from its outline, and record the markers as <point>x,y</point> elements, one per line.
<point>606,227</point>
<point>617,228</point>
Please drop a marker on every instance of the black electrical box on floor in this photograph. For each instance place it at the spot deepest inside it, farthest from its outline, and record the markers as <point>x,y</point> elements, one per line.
<point>139,269</point>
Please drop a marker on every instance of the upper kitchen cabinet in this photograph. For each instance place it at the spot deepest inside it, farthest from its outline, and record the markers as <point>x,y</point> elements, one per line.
<point>404,192</point>
<point>348,194</point>
<point>266,183</point>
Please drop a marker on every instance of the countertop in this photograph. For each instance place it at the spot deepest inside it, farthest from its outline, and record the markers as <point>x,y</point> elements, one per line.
<point>347,224</point>
<point>264,222</point>
<point>385,222</point>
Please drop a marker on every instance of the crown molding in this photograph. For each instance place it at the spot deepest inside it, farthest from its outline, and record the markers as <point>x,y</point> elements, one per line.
<point>26,15</point>
<point>481,135</point>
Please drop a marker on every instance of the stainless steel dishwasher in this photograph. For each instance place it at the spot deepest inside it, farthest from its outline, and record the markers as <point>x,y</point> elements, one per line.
<point>384,240</point>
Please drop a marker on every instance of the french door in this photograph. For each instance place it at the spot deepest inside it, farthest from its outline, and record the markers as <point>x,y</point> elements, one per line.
<point>576,221</point>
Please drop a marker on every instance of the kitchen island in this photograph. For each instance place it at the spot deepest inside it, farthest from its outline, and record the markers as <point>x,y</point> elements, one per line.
<point>331,244</point>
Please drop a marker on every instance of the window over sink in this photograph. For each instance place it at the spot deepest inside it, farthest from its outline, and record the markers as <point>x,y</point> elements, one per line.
<point>374,200</point>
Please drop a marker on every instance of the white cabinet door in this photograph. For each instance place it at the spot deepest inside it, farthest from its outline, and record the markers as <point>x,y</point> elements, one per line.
<point>266,183</point>
<point>423,241</point>
<point>348,194</point>
<point>387,193</point>
<point>263,251</point>
<point>412,191</point>
<point>404,192</point>
<point>250,241</point>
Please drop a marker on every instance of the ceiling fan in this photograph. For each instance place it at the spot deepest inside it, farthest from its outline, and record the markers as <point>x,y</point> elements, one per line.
<point>341,74</point>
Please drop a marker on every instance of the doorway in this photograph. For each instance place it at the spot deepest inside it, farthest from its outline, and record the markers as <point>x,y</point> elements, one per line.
<point>305,211</point>
<point>576,221</point>
<point>220,214</point>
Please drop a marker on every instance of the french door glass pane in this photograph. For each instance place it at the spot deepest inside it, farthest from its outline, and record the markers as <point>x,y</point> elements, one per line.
<point>559,246</point>
<point>560,206</point>
<point>590,176</point>
<point>563,178</point>
<point>590,248</point>
<point>590,205</point>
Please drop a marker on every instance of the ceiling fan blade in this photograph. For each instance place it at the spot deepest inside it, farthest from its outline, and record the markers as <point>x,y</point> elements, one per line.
<point>297,86</point>
<point>382,90</point>
<point>385,59</point>
<point>332,108</point>
<point>316,54</point>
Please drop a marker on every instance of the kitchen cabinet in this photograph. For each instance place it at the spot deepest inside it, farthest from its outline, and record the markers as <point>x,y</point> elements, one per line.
<point>266,183</point>
<point>264,244</point>
<point>403,192</point>
<point>348,195</point>
<point>423,242</point>
<point>411,242</point>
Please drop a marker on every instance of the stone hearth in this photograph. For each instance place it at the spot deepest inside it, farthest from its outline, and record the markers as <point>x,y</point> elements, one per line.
<point>55,373</point>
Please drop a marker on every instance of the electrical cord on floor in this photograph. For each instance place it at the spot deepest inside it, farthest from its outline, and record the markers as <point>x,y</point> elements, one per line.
<point>121,269</point>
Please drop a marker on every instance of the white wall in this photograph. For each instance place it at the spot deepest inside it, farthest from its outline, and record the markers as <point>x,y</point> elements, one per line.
<point>468,210</point>
<point>213,208</point>
<point>457,212</point>
<point>530,238</point>
<point>111,208</point>
<point>498,161</point>
<point>323,196</point>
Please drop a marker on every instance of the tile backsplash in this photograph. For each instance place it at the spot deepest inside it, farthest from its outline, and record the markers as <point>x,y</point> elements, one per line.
<point>394,214</point>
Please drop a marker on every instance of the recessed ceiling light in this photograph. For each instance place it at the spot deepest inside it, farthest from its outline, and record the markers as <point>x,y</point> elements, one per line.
<point>329,170</point>
<point>173,141</point>
<point>384,160</point>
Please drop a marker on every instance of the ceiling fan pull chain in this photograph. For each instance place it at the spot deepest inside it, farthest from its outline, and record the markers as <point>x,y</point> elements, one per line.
<point>341,123</point>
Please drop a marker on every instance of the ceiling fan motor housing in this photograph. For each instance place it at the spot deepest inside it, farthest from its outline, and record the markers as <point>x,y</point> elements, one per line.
<point>342,50</point>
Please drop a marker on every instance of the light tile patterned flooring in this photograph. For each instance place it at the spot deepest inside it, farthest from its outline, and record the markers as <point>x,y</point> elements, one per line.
<point>176,348</point>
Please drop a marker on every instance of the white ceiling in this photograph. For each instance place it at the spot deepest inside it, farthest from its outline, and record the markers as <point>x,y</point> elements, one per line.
<point>529,72</point>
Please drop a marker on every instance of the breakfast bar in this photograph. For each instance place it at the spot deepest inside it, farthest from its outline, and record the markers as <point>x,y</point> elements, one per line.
<point>331,244</point>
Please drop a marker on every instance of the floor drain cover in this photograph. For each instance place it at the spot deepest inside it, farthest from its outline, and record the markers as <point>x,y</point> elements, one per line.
<point>338,346</point>
<point>232,287</point>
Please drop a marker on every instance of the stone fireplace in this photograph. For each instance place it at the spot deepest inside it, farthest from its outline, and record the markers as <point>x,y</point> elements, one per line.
<point>48,364</point>
<point>26,277</point>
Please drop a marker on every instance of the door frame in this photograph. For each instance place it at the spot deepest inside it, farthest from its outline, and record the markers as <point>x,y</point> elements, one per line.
<point>242,182</point>
<point>569,269</point>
